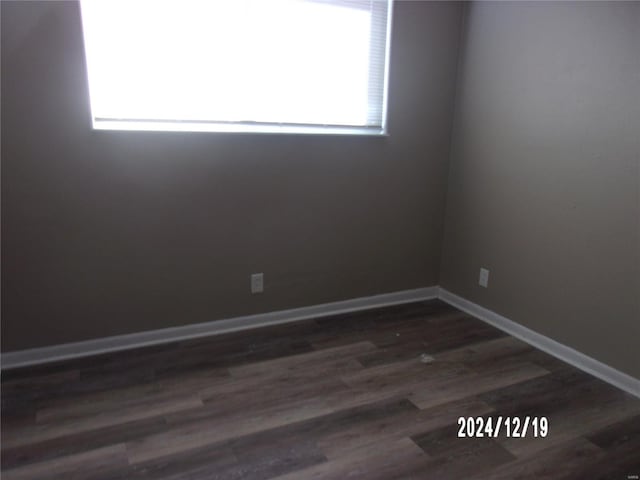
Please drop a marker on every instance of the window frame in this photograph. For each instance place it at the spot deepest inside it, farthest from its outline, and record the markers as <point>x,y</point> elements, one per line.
<point>250,127</point>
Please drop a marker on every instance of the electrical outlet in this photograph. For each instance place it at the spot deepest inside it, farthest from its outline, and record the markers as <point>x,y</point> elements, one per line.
<point>257,282</point>
<point>484,278</point>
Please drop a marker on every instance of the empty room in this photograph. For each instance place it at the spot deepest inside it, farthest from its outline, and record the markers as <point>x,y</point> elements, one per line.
<point>320,239</point>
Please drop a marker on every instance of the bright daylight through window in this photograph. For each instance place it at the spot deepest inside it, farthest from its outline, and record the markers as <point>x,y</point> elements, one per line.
<point>309,66</point>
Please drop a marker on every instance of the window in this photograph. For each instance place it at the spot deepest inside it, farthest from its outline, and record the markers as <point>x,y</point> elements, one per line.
<point>308,66</point>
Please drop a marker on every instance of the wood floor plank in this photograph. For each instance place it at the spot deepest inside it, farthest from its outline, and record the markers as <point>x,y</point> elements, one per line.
<point>327,361</point>
<point>192,381</point>
<point>455,457</point>
<point>104,418</point>
<point>568,461</point>
<point>459,331</point>
<point>87,405</point>
<point>488,351</point>
<point>320,428</point>
<point>621,442</point>
<point>276,457</point>
<point>36,383</point>
<point>223,420</point>
<point>574,403</point>
<point>618,433</point>
<point>39,451</point>
<point>399,459</point>
<point>476,383</point>
<point>580,419</point>
<point>404,423</point>
<point>206,432</point>
<point>405,375</point>
<point>201,463</point>
<point>259,394</point>
<point>330,398</point>
<point>381,327</point>
<point>292,447</point>
<point>542,395</point>
<point>26,393</point>
<point>88,465</point>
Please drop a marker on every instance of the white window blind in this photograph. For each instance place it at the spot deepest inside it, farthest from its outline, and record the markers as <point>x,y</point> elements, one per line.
<point>316,66</point>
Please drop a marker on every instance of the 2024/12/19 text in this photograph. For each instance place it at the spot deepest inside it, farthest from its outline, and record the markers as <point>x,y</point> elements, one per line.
<point>512,427</point>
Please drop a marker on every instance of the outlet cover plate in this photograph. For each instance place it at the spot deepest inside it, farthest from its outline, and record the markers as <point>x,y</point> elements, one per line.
<point>257,282</point>
<point>483,281</point>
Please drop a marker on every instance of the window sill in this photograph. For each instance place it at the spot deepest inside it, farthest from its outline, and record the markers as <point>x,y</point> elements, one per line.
<point>161,126</point>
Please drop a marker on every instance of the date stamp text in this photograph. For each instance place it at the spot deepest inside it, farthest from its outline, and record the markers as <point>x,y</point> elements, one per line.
<point>510,427</point>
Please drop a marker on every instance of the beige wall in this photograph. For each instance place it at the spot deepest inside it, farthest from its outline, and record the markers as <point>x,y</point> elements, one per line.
<point>544,179</point>
<point>106,233</point>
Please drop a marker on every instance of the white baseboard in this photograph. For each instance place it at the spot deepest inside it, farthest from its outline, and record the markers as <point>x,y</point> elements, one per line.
<point>566,354</point>
<point>86,348</point>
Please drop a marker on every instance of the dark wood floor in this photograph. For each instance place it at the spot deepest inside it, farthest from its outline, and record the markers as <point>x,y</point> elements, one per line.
<point>341,397</point>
